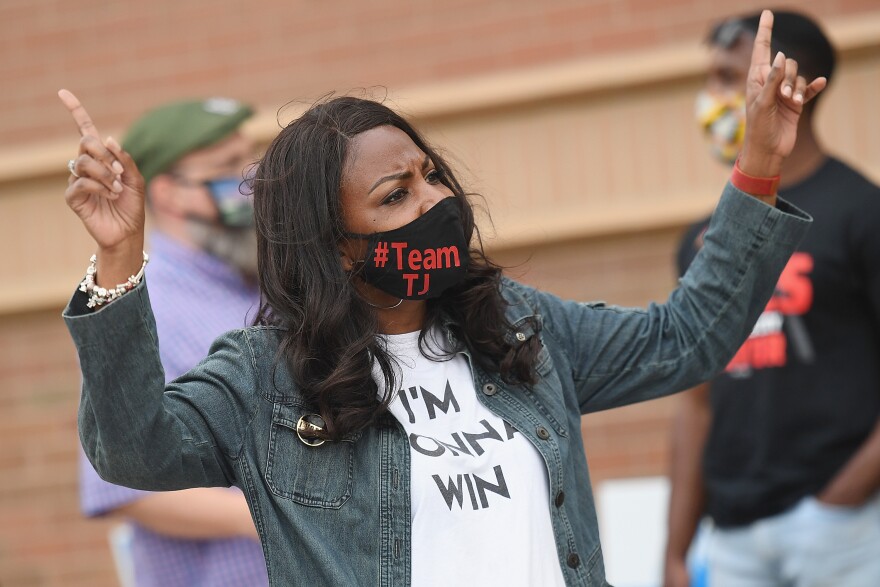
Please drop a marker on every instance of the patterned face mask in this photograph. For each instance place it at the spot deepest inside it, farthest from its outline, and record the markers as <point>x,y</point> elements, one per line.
<point>723,120</point>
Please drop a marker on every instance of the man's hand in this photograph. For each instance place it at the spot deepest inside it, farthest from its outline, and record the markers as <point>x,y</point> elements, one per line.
<point>675,574</point>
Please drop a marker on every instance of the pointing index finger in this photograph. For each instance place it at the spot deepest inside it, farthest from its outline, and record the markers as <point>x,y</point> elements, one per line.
<point>80,116</point>
<point>761,49</point>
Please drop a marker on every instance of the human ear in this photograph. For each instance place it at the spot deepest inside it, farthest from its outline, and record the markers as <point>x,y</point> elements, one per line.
<point>345,255</point>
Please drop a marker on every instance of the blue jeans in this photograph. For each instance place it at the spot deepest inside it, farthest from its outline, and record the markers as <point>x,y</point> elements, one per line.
<point>811,545</point>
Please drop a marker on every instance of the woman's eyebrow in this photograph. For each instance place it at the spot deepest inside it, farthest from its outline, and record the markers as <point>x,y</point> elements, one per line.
<point>402,175</point>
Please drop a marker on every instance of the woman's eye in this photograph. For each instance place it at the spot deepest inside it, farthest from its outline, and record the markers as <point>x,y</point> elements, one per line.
<point>434,176</point>
<point>395,196</point>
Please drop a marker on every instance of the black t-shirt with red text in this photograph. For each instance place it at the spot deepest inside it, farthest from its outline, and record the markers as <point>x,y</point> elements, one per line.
<point>803,393</point>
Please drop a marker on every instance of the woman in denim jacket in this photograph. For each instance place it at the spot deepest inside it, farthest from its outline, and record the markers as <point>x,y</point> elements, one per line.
<point>401,413</point>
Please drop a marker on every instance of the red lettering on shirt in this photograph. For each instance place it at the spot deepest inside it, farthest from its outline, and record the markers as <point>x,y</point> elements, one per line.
<point>794,291</point>
<point>767,346</point>
<point>760,352</point>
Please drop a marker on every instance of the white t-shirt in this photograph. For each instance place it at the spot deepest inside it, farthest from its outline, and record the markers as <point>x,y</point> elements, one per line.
<point>480,493</point>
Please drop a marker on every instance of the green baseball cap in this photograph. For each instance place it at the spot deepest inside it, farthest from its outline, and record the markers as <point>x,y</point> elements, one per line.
<point>164,135</point>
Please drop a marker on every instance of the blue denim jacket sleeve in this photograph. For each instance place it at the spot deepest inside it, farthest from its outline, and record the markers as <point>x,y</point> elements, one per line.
<point>620,356</point>
<point>139,433</point>
<point>136,431</point>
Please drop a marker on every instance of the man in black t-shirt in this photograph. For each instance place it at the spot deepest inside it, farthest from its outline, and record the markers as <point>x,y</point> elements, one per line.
<point>782,451</point>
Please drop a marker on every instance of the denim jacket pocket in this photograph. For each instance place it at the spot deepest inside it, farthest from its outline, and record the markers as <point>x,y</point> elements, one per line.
<point>316,476</point>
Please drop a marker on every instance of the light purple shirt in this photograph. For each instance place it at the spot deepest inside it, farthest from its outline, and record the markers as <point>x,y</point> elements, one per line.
<point>195,298</point>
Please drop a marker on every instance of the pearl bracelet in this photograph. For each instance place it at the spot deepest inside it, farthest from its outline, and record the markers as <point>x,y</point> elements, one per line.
<point>98,296</point>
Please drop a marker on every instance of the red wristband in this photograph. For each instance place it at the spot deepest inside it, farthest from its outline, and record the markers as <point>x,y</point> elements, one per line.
<point>756,186</point>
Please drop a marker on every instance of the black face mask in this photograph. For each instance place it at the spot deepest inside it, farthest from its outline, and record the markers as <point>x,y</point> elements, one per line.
<point>419,260</point>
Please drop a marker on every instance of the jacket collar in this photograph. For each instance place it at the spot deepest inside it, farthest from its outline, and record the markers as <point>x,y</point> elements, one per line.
<point>524,320</point>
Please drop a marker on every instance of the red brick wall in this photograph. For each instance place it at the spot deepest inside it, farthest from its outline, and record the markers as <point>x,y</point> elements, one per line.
<point>122,57</point>
<point>43,538</point>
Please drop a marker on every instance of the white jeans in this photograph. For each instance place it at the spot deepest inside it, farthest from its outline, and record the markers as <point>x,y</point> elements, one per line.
<point>810,545</point>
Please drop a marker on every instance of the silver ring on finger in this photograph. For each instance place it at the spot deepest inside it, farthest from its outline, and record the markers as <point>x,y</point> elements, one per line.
<point>70,168</point>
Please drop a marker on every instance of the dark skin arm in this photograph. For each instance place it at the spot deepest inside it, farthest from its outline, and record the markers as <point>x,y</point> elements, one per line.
<point>775,96</point>
<point>689,433</point>
<point>859,479</point>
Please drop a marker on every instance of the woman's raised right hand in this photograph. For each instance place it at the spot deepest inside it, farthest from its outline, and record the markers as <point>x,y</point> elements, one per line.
<point>108,197</point>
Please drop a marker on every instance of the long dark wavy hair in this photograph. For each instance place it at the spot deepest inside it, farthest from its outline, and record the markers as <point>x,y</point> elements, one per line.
<point>329,339</point>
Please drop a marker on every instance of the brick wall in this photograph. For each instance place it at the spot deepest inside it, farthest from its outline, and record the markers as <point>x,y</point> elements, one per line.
<point>43,539</point>
<point>122,57</point>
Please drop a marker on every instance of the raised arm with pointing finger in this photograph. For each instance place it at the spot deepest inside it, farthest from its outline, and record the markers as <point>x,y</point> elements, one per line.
<point>106,191</point>
<point>779,454</point>
<point>384,435</point>
<point>202,267</point>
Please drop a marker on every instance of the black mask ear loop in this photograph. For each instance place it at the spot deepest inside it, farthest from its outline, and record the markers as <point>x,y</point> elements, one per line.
<point>358,267</point>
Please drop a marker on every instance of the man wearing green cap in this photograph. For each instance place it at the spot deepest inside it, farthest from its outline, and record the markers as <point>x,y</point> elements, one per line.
<point>202,283</point>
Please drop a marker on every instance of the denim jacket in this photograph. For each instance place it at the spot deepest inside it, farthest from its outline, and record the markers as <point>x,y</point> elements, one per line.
<point>339,514</point>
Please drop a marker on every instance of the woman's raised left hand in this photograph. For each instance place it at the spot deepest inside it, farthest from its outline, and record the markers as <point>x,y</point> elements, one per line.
<point>775,99</point>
